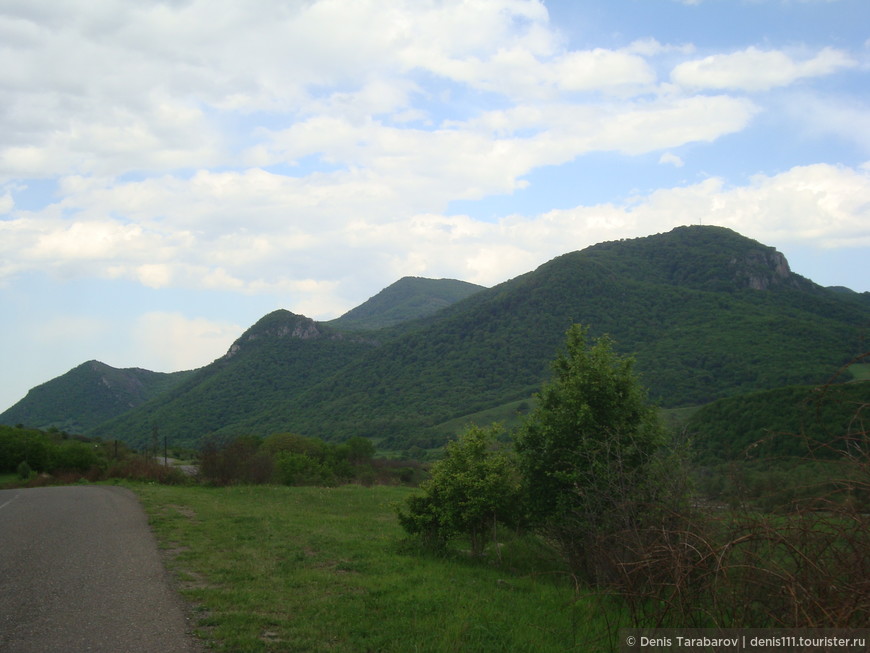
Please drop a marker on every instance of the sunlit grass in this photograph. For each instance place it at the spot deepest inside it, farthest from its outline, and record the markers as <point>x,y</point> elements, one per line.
<point>314,569</point>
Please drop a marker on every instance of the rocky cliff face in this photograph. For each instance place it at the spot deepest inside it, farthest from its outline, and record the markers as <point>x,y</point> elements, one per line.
<point>283,324</point>
<point>763,269</point>
<point>277,325</point>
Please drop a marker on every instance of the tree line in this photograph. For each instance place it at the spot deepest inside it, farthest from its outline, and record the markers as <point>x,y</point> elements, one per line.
<point>593,475</point>
<point>30,451</point>
<point>293,459</point>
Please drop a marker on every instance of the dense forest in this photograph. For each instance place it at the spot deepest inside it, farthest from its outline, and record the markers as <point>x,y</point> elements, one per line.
<point>707,314</point>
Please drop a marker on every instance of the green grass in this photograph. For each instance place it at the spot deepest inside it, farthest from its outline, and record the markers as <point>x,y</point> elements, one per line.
<point>510,415</point>
<point>315,569</point>
<point>860,371</point>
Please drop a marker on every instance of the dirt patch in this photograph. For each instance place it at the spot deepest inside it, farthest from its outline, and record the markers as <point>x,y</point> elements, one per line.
<point>184,511</point>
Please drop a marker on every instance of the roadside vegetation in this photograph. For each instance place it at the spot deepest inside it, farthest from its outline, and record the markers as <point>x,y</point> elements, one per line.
<point>271,568</point>
<point>598,482</point>
<point>591,516</point>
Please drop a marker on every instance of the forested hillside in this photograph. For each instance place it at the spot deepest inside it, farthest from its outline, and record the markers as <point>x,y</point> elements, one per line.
<point>407,299</point>
<point>790,422</point>
<point>278,357</point>
<point>706,312</point>
<point>718,315</point>
<point>88,395</point>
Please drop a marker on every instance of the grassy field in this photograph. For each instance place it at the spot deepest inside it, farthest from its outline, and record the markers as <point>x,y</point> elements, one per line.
<point>860,371</point>
<point>316,569</point>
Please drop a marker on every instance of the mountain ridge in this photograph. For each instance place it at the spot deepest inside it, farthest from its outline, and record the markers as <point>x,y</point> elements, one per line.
<point>409,298</point>
<point>707,312</point>
<point>88,395</point>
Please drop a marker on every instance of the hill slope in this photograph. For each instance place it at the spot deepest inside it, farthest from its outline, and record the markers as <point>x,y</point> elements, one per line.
<point>407,299</point>
<point>801,421</point>
<point>94,393</point>
<point>707,312</point>
<point>278,357</point>
<point>88,395</point>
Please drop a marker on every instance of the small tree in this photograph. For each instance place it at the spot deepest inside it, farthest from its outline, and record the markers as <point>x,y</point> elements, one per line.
<point>474,486</point>
<point>24,471</point>
<point>585,450</point>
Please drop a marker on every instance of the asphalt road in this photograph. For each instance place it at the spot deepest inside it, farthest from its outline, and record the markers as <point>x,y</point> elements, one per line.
<point>80,571</point>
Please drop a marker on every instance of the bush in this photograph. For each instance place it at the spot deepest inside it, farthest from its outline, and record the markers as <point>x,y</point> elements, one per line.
<point>472,488</point>
<point>586,452</point>
<point>24,470</point>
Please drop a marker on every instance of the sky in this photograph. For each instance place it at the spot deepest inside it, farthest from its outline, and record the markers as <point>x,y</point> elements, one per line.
<point>171,171</point>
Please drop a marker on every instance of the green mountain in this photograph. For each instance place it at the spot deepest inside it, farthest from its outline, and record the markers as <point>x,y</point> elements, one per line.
<point>88,395</point>
<point>278,357</point>
<point>94,393</point>
<point>407,299</point>
<point>707,312</point>
<point>793,421</point>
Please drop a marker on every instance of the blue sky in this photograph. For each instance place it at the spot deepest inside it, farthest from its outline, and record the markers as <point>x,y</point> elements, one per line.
<point>172,171</point>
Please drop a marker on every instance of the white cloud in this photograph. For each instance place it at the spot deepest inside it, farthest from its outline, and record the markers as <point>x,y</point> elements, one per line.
<point>162,87</point>
<point>819,205</point>
<point>757,70</point>
<point>170,341</point>
<point>253,229</point>
<point>6,202</point>
<point>671,158</point>
<point>649,47</point>
<point>115,87</point>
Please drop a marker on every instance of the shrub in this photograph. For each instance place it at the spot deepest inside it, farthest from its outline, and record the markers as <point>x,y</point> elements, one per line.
<point>24,470</point>
<point>586,451</point>
<point>472,488</point>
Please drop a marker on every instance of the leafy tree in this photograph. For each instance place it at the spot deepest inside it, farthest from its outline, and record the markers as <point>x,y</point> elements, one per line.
<point>585,452</point>
<point>359,450</point>
<point>24,471</point>
<point>301,469</point>
<point>469,490</point>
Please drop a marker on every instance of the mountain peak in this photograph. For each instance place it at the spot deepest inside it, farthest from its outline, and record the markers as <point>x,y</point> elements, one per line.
<point>702,257</point>
<point>406,299</point>
<point>277,325</point>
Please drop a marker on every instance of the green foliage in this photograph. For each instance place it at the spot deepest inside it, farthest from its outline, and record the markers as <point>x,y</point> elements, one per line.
<point>359,449</point>
<point>474,486</point>
<point>687,303</point>
<point>592,415</point>
<point>293,459</point>
<point>275,361</point>
<point>320,569</point>
<point>73,456</point>
<point>47,451</point>
<point>24,471</point>
<point>88,395</point>
<point>789,422</point>
<point>675,300</point>
<point>408,299</point>
<point>586,449</point>
<point>302,469</point>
